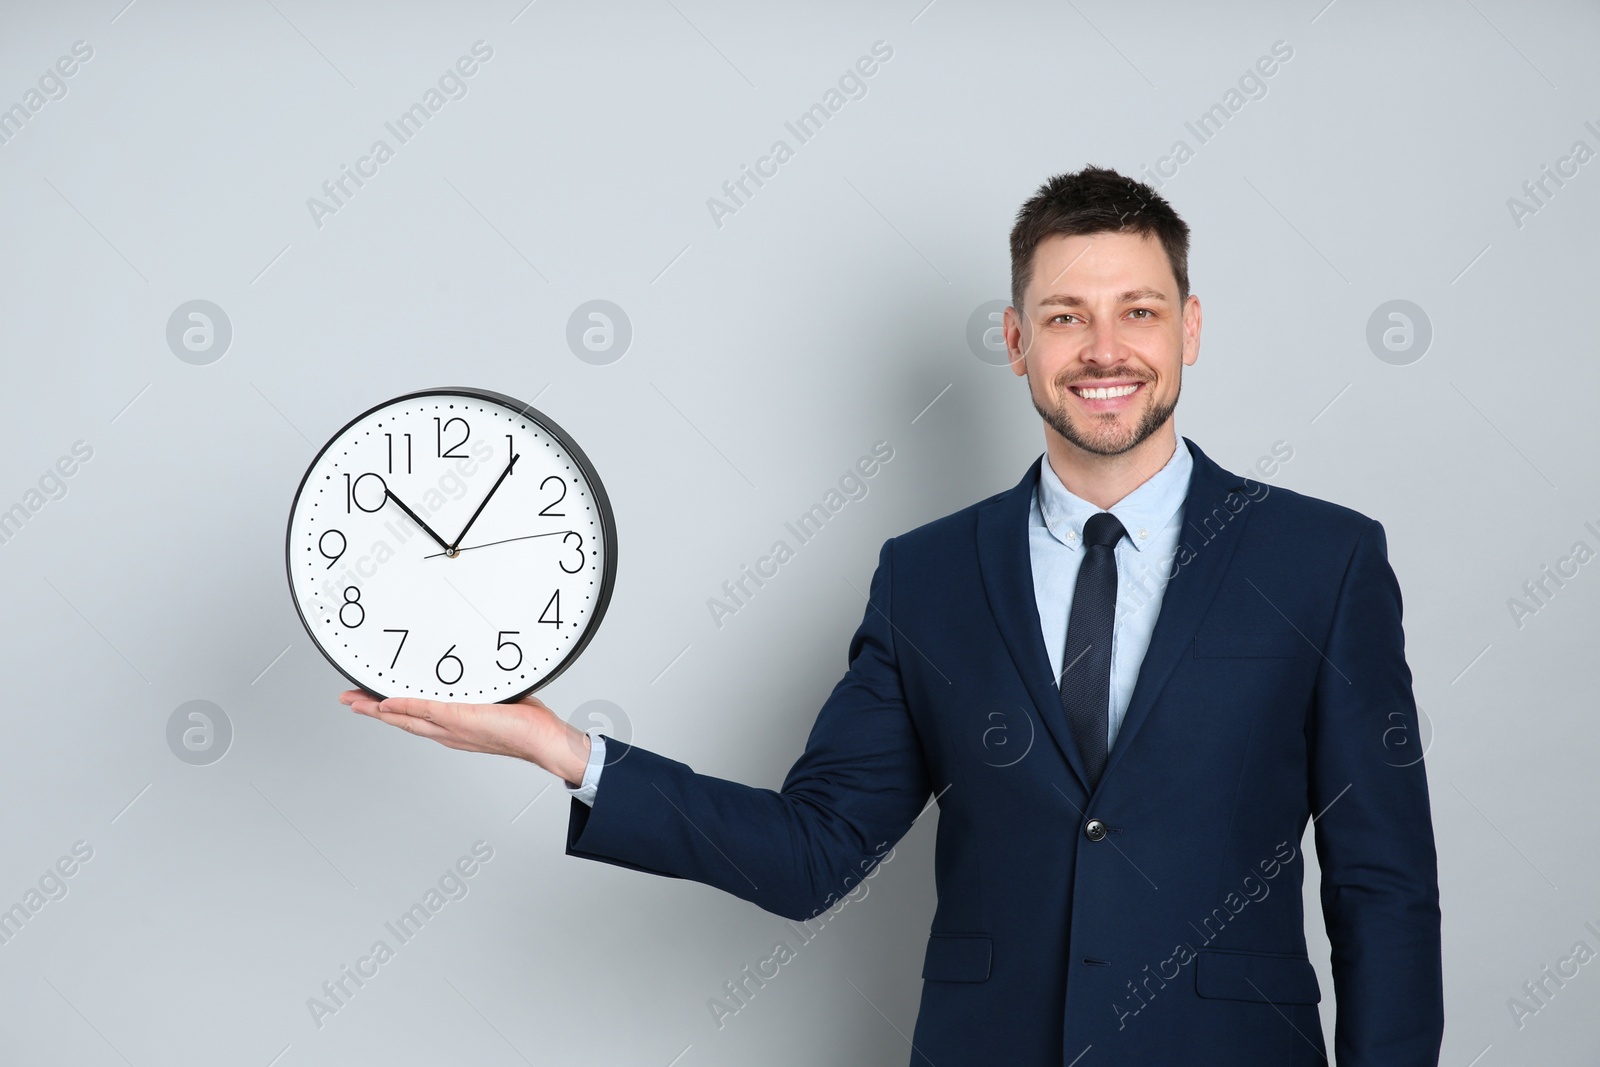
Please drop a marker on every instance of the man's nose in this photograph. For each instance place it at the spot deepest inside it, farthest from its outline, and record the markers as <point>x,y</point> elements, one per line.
<point>1099,345</point>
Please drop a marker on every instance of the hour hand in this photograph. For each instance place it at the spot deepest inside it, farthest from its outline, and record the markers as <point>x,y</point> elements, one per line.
<point>448,550</point>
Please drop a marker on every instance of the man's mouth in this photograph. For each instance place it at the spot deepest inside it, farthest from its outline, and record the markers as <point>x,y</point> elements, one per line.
<point>1105,392</point>
<point>1106,396</point>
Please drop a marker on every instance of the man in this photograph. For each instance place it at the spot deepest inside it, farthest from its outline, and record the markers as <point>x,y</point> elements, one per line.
<point>1183,668</point>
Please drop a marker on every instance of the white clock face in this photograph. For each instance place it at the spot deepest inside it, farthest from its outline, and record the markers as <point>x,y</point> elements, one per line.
<point>453,545</point>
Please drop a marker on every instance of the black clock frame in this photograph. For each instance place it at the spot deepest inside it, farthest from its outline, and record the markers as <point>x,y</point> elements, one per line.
<point>608,524</point>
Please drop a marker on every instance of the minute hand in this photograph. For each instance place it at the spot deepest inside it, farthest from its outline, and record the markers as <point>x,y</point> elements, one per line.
<point>455,545</point>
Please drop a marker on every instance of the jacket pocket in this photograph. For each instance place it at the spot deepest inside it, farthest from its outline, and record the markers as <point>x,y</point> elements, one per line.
<point>957,958</point>
<point>1208,643</point>
<point>1264,977</point>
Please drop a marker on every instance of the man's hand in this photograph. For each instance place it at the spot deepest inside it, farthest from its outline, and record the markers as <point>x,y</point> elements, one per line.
<point>526,730</point>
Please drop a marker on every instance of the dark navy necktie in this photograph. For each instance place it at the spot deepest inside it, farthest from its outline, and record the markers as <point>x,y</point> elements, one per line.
<point>1086,663</point>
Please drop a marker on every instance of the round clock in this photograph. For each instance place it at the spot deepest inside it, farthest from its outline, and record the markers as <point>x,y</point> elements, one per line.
<point>452,544</point>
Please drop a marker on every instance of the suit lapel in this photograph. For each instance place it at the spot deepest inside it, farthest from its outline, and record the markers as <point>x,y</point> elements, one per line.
<point>1006,564</point>
<point>1211,531</point>
<point>1204,551</point>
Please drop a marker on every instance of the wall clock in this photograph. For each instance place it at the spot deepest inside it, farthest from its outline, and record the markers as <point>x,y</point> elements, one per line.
<point>453,544</point>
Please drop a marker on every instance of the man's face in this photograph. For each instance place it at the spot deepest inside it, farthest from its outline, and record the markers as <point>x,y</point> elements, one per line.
<point>1101,313</point>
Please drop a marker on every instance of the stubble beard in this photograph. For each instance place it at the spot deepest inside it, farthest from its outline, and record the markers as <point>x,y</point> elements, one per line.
<point>1101,435</point>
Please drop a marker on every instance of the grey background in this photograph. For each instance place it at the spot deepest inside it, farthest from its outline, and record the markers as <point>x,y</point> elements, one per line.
<point>767,355</point>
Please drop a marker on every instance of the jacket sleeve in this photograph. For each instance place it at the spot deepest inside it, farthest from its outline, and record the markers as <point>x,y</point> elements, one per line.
<point>1374,831</point>
<point>850,796</point>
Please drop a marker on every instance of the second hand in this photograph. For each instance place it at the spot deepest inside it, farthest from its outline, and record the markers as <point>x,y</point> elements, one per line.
<point>486,544</point>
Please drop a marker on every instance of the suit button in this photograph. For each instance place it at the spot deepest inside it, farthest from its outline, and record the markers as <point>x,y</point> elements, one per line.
<point>1094,830</point>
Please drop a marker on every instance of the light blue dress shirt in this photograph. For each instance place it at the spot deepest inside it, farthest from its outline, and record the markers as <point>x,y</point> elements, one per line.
<point>1152,515</point>
<point>591,771</point>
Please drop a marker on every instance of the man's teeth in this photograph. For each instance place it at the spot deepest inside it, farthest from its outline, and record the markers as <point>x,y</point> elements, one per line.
<point>1104,392</point>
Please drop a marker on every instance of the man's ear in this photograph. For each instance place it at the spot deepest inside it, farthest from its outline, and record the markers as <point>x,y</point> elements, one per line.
<point>1191,330</point>
<point>1017,344</point>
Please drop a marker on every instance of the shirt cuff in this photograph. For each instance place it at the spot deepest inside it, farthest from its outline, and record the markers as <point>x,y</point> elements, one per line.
<point>585,790</point>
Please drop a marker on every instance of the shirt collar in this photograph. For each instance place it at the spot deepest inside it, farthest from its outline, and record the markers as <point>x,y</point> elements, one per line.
<point>1153,505</point>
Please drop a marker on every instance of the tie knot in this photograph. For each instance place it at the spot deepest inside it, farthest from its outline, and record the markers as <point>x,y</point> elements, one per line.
<point>1102,529</point>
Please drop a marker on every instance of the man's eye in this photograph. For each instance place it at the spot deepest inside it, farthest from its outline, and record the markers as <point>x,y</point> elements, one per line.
<point>1144,311</point>
<point>1063,315</point>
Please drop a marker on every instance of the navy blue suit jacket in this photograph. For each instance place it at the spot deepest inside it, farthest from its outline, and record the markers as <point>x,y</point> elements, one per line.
<point>1275,691</point>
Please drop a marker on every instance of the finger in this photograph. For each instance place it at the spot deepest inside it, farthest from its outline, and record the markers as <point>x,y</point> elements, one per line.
<point>363,703</point>
<point>434,732</point>
<point>418,707</point>
<point>414,725</point>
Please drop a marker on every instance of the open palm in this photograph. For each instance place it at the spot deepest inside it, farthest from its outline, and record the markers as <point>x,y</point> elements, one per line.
<point>527,729</point>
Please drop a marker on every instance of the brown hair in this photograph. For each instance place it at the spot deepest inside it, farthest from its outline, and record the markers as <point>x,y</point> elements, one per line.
<point>1096,200</point>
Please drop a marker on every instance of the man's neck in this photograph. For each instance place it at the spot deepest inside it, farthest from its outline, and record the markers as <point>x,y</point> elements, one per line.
<point>1104,480</point>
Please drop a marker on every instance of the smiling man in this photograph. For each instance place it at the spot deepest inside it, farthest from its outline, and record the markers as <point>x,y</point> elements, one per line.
<point>1204,669</point>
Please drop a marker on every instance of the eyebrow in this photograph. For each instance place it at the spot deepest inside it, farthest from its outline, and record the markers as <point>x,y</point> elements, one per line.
<point>1068,300</point>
